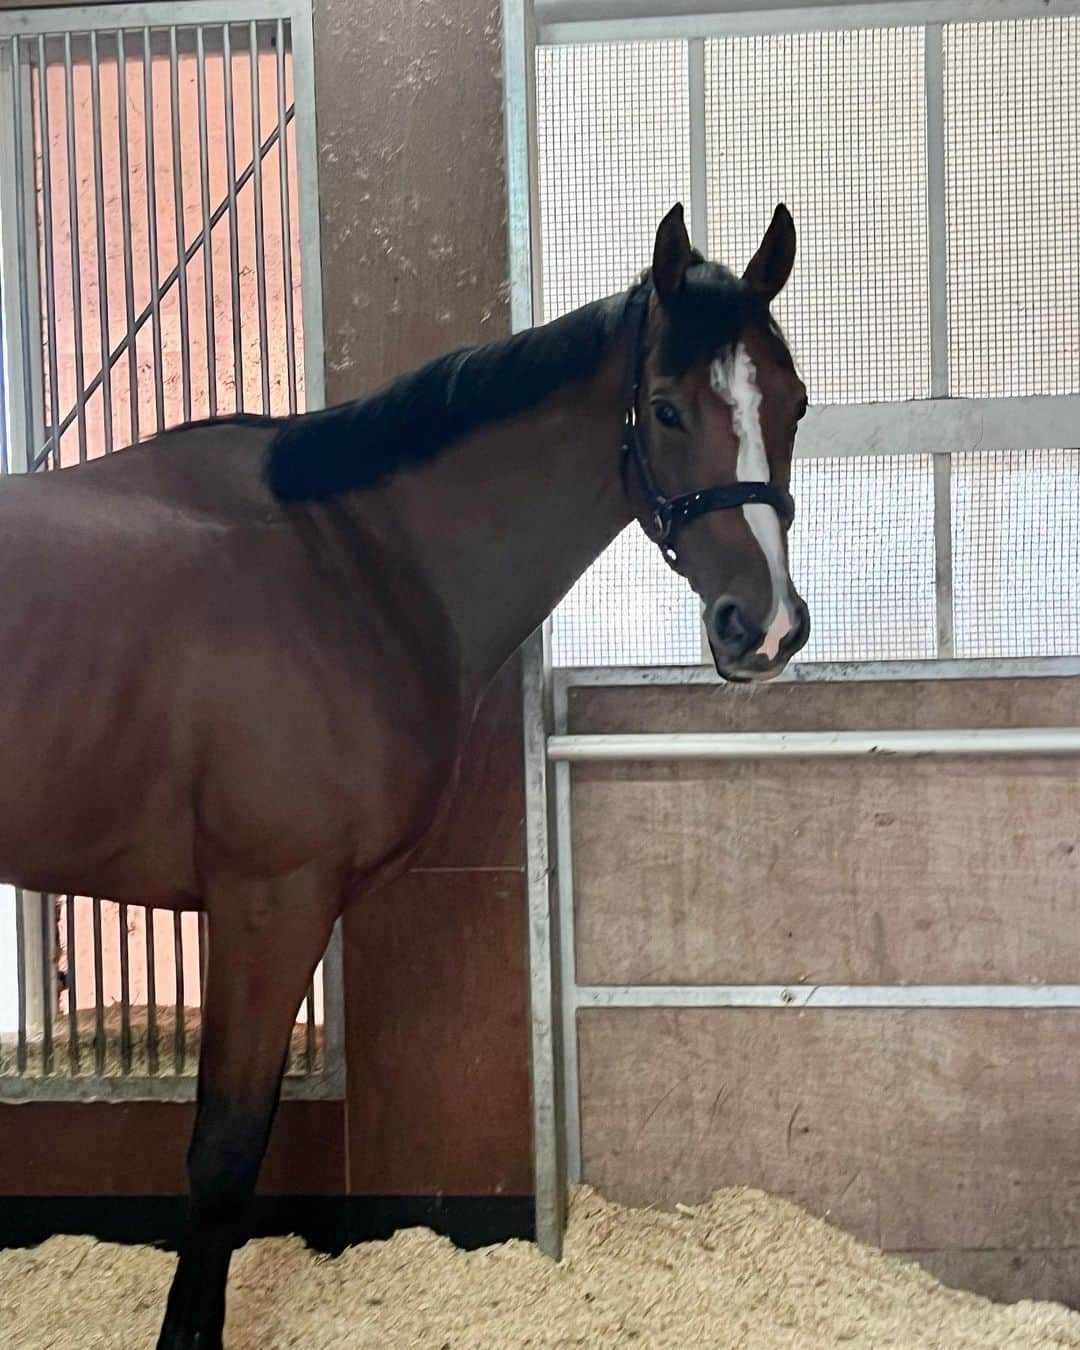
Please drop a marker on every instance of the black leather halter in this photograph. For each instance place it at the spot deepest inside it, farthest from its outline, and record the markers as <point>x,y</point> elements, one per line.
<point>667,515</point>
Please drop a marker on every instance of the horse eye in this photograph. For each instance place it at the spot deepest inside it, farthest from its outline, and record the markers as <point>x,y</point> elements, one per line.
<point>667,415</point>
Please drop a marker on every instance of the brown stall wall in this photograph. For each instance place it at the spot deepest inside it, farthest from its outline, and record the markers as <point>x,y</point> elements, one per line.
<point>949,1135</point>
<point>414,256</point>
<point>871,871</point>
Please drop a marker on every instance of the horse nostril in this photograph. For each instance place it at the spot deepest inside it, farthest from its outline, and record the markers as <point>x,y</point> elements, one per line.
<point>735,634</point>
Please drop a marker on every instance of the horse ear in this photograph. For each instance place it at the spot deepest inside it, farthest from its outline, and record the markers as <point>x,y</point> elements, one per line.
<point>771,265</point>
<point>672,255</point>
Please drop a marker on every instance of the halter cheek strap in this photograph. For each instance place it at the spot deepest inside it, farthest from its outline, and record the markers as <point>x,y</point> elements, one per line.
<point>667,515</point>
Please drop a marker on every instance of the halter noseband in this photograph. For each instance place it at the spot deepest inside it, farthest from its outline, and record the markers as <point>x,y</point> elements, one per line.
<point>668,515</point>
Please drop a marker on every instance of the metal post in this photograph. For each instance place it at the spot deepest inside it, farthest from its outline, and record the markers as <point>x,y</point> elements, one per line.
<point>286,222</point>
<point>179,224</point>
<point>207,236</point>
<point>260,232</point>
<point>234,238</point>
<point>938,282</point>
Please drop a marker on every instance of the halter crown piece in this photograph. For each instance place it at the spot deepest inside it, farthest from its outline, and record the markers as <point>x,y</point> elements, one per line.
<point>667,515</point>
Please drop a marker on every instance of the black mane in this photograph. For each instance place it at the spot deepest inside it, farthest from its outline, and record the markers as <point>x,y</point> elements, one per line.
<point>358,444</point>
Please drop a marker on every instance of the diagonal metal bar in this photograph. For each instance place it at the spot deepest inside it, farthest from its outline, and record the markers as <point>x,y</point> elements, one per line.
<point>171,280</point>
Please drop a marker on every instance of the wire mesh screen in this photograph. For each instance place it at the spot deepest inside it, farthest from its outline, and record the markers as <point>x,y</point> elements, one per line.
<point>862,556</point>
<point>1012,127</point>
<point>628,609</point>
<point>613,143</point>
<point>833,124</point>
<point>1016,553</point>
<point>613,147</point>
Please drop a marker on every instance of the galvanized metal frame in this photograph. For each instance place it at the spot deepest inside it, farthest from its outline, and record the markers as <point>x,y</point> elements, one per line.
<point>939,425</point>
<point>23,378</point>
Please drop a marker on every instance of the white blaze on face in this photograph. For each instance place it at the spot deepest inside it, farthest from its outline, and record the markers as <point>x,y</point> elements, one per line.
<point>734,379</point>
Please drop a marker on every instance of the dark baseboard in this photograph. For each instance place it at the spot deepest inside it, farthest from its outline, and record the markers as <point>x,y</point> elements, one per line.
<point>326,1223</point>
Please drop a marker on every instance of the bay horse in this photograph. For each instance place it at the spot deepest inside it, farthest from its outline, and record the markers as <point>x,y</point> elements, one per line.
<point>241,658</point>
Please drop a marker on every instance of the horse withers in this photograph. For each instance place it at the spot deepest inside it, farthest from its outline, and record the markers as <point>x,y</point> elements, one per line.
<point>242,658</point>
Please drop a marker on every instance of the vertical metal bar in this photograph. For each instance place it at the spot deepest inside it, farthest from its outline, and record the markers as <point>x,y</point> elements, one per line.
<point>99,991</point>
<point>129,293</point>
<point>178,216</point>
<point>207,229</point>
<point>102,261</point>
<point>22,248</point>
<point>76,250</point>
<point>307,181</point>
<point>548,1095</point>
<point>21,971</point>
<point>204,952</point>
<point>943,560</point>
<point>152,242</point>
<point>48,250</point>
<point>72,986</point>
<point>234,238</point>
<point>260,233</point>
<point>564,866</point>
<point>699,196</point>
<point>286,221</point>
<point>309,1031</point>
<point>47,918</point>
<point>151,994</point>
<point>180,1029</point>
<point>549,1160</point>
<point>333,1006</point>
<point>125,990</point>
<point>938,282</point>
<point>936,222</point>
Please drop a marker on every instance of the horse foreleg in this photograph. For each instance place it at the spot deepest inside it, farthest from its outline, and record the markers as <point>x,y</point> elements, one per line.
<point>266,939</point>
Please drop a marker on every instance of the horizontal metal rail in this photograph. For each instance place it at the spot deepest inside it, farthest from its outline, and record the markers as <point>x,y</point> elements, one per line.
<point>593,749</point>
<point>829,996</point>
<point>575,21</point>
<point>826,672</point>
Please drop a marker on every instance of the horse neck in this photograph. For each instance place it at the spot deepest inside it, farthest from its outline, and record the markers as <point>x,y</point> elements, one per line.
<point>504,522</point>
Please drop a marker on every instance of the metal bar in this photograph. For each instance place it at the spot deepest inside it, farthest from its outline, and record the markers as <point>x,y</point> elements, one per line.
<point>151,229</point>
<point>47,952</point>
<point>814,744</point>
<point>943,560</point>
<point>129,281</point>
<point>924,426</point>
<point>936,223</point>
<point>234,241</point>
<point>333,1007</point>
<point>159,292</point>
<point>20,292</point>
<point>22,982</point>
<point>51,345</point>
<point>180,228</point>
<point>286,225</point>
<point>139,1087</point>
<point>151,994</point>
<point>803,996</point>
<point>125,989</point>
<point>180,1027</point>
<point>564,868</point>
<point>576,21</point>
<point>260,232</point>
<point>699,204</point>
<point>72,986</point>
<point>308,213</point>
<point>76,252</point>
<point>207,237</point>
<point>204,954</point>
<point>99,991</point>
<point>182,13</point>
<point>549,1122</point>
<point>828,672</point>
<point>309,1031</point>
<point>102,260</point>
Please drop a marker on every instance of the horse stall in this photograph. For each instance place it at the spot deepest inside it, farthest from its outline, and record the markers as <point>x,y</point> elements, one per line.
<point>677,937</point>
